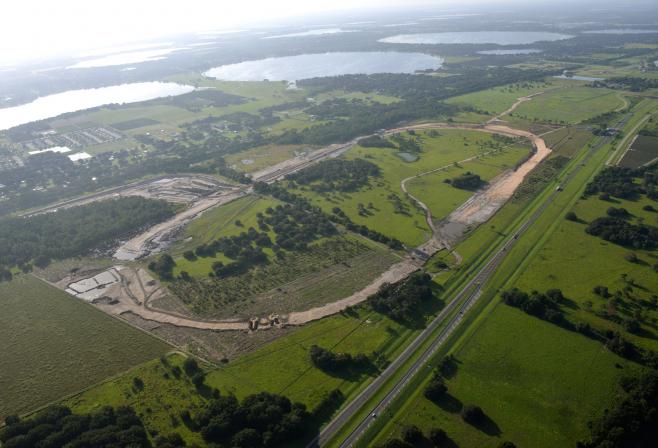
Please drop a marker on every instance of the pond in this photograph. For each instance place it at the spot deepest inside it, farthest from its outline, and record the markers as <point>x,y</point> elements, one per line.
<point>317,32</point>
<point>304,66</point>
<point>567,75</point>
<point>407,156</point>
<point>477,37</point>
<point>74,100</point>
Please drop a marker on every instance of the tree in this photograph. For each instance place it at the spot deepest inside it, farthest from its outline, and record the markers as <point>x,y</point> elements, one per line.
<point>472,414</point>
<point>571,216</point>
<point>437,436</point>
<point>412,434</point>
<point>190,366</point>
<point>436,388</point>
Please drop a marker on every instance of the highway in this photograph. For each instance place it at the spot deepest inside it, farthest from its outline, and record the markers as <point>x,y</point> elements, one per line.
<point>462,302</point>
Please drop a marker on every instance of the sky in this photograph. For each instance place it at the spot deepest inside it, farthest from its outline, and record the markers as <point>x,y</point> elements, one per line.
<point>32,29</point>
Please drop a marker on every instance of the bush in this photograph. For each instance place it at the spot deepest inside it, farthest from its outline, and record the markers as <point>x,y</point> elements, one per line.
<point>571,216</point>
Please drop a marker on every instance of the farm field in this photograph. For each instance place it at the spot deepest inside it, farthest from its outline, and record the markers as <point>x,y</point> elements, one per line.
<point>408,223</point>
<point>643,150</point>
<point>529,378</point>
<point>54,345</point>
<point>569,105</point>
<point>567,141</point>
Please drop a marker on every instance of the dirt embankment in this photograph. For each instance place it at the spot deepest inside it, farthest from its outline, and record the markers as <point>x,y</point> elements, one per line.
<point>136,289</point>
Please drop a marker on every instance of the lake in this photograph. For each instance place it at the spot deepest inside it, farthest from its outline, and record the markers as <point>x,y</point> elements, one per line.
<point>291,68</point>
<point>511,51</point>
<point>132,57</point>
<point>74,100</point>
<point>477,37</point>
<point>317,32</point>
<point>621,31</point>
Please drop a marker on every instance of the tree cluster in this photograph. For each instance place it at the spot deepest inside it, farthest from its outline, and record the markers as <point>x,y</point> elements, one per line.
<point>544,306</point>
<point>76,231</point>
<point>375,141</point>
<point>260,420</point>
<point>631,83</point>
<point>329,361</point>
<point>57,426</point>
<point>619,231</point>
<point>615,181</point>
<point>466,181</point>
<point>401,300</point>
<point>632,420</point>
<point>163,266</point>
<point>336,175</point>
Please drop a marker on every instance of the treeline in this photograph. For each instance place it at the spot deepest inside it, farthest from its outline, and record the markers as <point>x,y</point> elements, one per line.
<point>631,83</point>
<point>375,141</point>
<point>618,231</point>
<point>260,420</point>
<point>336,175</point>
<point>329,361</point>
<point>542,305</point>
<point>632,420</point>
<point>466,181</point>
<point>338,216</point>
<point>361,118</point>
<point>420,88</point>
<point>618,182</point>
<point>77,230</point>
<point>57,426</point>
<point>400,301</point>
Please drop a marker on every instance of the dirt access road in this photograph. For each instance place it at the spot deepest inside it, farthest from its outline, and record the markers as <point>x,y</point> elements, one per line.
<point>476,210</point>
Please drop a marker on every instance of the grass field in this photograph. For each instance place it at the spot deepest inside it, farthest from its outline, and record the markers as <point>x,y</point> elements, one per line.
<point>569,105</point>
<point>498,99</point>
<point>560,263</point>
<point>54,345</point>
<point>384,192</point>
<point>282,366</point>
<point>528,377</point>
<point>567,141</point>
<point>443,198</point>
<point>264,156</point>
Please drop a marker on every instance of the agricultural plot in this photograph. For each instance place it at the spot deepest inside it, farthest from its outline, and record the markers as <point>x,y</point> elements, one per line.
<point>537,384</point>
<point>569,105</point>
<point>55,345</point>
<point>384,207</point>
<point>643,150</point>
<point>567,141</point>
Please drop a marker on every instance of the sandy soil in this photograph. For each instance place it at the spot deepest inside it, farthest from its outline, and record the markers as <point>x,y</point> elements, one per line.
<point>137,289</point>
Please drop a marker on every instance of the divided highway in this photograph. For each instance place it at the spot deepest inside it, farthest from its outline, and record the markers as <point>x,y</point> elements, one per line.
<point>462,302</point>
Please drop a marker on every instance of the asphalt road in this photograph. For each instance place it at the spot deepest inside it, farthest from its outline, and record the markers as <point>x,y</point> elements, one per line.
<point>463,301</point>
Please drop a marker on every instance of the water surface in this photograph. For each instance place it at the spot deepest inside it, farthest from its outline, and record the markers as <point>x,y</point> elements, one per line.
<point>132,57</point>
<point>291,68</point>
<point>477,37</point>
<point>621,31</point>
<point>75,100</point>
<point>512,51</point>
<point>317,32</point>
